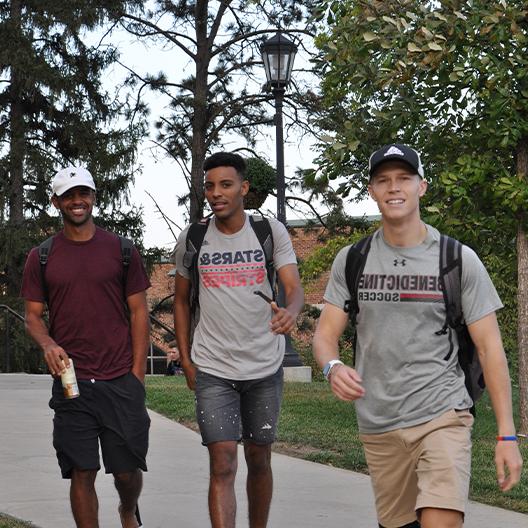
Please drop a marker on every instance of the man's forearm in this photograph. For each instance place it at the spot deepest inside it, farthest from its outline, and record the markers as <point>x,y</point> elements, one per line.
<point>295,301</point>
<point>140,335</point>
<point>330,327</point>
<point>497,378</point>
<point>38,331</point>
<point>182,328</point>
<point>324,349</point>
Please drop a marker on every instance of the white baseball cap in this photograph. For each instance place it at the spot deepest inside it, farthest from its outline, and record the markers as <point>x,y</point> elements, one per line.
<point>70,177</point>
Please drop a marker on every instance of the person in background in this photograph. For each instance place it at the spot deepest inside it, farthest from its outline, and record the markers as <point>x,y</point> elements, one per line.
<point>173,362</point>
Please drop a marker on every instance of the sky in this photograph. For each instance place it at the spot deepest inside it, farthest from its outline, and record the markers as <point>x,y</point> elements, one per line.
<point>162,178</point>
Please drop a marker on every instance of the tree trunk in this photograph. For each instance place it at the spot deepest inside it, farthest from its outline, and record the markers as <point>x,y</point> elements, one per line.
<point>522,294</point>
<point>199,121</point>
<point>15,196</point>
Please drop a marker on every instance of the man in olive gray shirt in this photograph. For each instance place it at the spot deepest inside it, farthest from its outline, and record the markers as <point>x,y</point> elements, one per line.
<point>407,384</point>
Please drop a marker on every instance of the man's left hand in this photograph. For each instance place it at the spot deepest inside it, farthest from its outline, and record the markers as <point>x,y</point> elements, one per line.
<point>282,322</point>
<point>509,463</point>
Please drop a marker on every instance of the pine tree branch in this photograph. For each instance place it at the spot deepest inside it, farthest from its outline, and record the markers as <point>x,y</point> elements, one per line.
<point>172,36</point>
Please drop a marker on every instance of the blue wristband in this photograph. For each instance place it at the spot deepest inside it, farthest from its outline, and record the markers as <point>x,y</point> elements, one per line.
<point>511,438</point>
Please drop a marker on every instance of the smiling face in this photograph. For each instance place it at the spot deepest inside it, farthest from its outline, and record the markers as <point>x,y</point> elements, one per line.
<point>75,205</point>
<point>397,191</point>
<point>224,191</point>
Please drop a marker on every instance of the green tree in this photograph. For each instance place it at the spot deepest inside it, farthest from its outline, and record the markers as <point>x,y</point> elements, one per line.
<point>53,111</point>
<point>218,93</point>
<point>451,78</point>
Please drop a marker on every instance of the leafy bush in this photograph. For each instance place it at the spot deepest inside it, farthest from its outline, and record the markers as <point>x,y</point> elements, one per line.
<point>261,175</point>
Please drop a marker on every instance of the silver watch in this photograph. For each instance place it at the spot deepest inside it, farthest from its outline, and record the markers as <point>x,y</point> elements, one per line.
<point>327,369</point>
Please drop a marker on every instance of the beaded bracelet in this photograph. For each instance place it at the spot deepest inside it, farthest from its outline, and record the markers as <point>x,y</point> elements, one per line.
<point>512,438</point>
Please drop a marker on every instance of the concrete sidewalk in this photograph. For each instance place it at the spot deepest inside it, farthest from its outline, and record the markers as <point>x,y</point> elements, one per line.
<point>306,495</point>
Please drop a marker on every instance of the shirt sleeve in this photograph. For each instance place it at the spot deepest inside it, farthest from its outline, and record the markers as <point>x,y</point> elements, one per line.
<point>283,252</point>
<point>479,296</point>
<point>336,292</point>
<point>179,253</point>
<point>32,288</point>
<point>137,279</point>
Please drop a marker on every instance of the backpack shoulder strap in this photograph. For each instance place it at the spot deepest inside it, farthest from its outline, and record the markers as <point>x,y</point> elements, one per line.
<point>355,264</point>
<point>126,255</point>
<point>195,237</point>
<point>262,228</point>
<point>451,280</point>
<point>126,250</point>
<point>193,243</point>
<point>44,251</point>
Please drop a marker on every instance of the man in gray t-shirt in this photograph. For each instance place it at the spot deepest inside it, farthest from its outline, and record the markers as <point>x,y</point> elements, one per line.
<point>407,385</point>
<point>235,361</point>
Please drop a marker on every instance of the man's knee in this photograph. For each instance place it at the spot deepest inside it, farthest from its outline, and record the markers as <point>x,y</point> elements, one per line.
<point>441,518</point>
<point>258,457</point>
<point>223,460</point>
<point>83,477</point>
<point>128,479</point>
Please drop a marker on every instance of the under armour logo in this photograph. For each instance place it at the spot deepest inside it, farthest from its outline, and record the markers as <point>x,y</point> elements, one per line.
<point>73,174</point>
<point>399,262</point>
<point>394,150</point>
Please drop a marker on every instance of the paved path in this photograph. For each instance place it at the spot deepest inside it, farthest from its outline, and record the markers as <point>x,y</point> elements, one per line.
<point>307,495</point>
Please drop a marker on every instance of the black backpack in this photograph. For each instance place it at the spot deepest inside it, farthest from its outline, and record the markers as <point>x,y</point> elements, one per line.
<point>194,241</point>
<point>450,278</point>
<point>44,251</point>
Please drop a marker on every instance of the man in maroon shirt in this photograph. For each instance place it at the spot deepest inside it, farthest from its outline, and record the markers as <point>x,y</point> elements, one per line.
<point>85,286</point>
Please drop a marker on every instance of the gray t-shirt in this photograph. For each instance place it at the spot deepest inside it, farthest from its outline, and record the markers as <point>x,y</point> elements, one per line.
<point>407,371</point>
<point>232,339</point>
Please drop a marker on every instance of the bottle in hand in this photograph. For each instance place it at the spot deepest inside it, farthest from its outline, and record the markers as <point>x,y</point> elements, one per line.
<point>69,382</point>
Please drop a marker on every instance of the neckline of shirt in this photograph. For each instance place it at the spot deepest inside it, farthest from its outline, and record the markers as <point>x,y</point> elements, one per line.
<point>67,240</point>
<point>429,240</point>
<point>239,233</point>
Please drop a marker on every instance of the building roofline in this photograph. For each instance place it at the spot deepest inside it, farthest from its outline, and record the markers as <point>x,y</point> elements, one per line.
<point>314,222</point>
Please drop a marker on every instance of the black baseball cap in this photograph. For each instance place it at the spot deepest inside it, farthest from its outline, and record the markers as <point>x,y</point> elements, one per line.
<point>399,152</point>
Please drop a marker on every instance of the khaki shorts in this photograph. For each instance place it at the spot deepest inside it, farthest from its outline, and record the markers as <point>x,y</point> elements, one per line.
<point>425,466</point>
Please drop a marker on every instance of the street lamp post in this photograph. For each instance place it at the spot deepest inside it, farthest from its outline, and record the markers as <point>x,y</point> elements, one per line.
<point>278,54</point>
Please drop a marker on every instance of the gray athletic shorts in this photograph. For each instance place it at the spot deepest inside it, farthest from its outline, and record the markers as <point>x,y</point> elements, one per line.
<point>231,410</point>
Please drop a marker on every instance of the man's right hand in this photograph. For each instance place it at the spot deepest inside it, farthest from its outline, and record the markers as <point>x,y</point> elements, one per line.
<point>56,359</point>
<point>346,383</point>
<point>190,374</point>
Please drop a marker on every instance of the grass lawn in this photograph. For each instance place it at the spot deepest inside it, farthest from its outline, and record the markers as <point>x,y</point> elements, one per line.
<point>317,427</point>
<point>10,522</point>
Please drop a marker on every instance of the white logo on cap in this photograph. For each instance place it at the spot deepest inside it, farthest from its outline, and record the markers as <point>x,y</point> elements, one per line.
<point>394,150</point>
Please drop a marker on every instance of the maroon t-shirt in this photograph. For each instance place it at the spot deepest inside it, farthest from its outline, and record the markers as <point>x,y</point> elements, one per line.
<point>86,301</point>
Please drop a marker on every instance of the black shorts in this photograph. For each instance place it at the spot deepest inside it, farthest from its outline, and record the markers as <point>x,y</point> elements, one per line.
<point>111,412</point>
<point>231,410</point>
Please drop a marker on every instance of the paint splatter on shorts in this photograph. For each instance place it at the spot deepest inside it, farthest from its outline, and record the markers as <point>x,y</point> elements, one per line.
<point>232,410</point>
